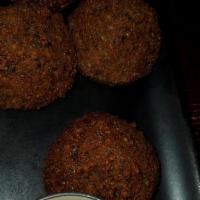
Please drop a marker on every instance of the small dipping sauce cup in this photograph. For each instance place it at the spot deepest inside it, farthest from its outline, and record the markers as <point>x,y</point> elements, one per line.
<point>70,196</point>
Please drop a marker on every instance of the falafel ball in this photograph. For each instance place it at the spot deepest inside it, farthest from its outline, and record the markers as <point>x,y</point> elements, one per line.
<point>37,57</point>
<point>117,41</point>
<point>104,156</point>
<point>54,5</point>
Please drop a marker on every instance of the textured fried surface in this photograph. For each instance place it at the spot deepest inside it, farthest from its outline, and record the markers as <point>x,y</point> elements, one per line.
<point>37,58</point>
<point>104,156</point>
<point>117,41</point>
<point>55,5</point>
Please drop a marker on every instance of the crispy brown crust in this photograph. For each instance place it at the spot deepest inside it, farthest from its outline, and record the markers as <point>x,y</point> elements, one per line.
<point>54,5</point>
<point>104,156</point>
<point>117,41</point>
<point>37,57</point>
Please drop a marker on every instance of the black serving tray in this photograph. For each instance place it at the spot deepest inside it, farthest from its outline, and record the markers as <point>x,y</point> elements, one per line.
<point>152,102</point>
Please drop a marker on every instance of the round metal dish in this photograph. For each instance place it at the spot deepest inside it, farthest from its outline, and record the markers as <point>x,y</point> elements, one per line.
<point>70,196</point>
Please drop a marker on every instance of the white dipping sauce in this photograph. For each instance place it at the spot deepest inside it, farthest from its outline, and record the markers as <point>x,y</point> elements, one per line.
<point>70,196</point>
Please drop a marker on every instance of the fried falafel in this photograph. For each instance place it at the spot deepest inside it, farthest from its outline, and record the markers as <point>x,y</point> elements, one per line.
<point>104,156</point>
<point>37,57</point>
<point>54,5</point>
<point>117,41</point>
